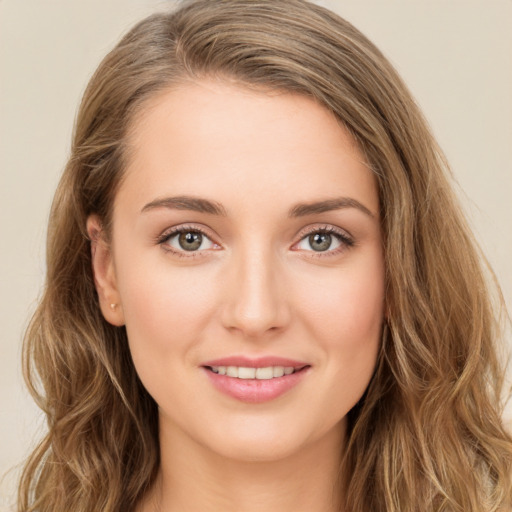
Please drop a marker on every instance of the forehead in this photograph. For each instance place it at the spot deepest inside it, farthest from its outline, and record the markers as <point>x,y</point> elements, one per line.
<point>219,138</point>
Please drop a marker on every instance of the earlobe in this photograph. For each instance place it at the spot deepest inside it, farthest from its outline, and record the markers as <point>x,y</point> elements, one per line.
<point>104,273</point>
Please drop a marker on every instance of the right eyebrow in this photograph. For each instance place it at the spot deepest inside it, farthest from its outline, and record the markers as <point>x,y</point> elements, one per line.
<point>187,203</point>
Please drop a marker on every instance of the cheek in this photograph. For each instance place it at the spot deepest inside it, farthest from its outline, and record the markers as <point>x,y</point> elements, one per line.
<point>345,306</point>
<point>344,312</point>
<point>165,308</point>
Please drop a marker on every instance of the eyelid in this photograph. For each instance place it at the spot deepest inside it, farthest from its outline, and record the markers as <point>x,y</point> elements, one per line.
<point>346,239</point>
<point>184,228</point>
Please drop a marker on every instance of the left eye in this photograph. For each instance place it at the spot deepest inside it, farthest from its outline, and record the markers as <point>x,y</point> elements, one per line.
<point>189,241</point>
<point>320,241</point>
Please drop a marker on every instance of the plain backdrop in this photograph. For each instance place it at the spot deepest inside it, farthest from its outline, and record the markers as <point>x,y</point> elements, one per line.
<point>455,55</point>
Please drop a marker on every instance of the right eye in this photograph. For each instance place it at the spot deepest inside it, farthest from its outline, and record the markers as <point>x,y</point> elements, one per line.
<point>184,240</point>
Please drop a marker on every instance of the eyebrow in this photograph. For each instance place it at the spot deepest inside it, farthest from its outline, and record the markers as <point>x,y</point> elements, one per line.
<point>202,205</point>
<point>195,204</point>
<point>338,203</point>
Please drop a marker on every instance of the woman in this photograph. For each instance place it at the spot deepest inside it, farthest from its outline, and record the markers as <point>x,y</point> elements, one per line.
<point>261,292</point>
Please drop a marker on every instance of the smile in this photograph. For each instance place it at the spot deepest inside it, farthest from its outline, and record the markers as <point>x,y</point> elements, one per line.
<point>255,380</point>
<point>244,372</point>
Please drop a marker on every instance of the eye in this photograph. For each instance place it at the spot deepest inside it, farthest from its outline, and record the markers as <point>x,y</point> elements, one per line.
<point>187,240</point>
<point>324,240</point>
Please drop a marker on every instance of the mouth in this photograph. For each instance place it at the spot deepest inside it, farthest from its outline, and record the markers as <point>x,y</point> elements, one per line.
<point>255,381</point>
<point>258,373</point>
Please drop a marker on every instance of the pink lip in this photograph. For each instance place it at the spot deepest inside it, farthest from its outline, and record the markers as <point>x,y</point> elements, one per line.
<point>254,390</point>
<point>258,362</point>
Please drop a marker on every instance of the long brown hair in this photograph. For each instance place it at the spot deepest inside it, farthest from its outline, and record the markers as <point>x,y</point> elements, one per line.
<point>427,435</point>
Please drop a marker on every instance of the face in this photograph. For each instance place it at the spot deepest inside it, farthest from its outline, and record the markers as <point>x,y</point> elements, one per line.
<point>246,263</point>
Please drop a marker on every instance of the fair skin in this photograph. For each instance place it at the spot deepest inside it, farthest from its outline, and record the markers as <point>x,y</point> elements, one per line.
<point>262,273</point>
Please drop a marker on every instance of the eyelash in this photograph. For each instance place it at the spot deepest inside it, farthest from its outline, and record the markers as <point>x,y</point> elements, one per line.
<point>345,240</point>
<point>165,237</point>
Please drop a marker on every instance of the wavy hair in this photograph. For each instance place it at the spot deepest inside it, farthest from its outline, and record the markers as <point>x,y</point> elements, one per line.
<point>429,424</point>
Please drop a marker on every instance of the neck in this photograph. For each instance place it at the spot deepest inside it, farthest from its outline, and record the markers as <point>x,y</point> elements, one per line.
<point>195,479</point>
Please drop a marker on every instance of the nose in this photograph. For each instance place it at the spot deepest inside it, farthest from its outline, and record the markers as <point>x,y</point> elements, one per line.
<point>256,302</point>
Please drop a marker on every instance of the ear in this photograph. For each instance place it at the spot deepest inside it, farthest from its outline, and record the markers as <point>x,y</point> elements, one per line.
<point>104,273</point>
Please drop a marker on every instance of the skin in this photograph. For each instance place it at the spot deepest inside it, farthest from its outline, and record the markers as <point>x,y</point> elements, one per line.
<point>255,287</point>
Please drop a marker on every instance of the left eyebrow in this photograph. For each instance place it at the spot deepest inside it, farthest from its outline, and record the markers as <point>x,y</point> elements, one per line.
<point>302,209</point>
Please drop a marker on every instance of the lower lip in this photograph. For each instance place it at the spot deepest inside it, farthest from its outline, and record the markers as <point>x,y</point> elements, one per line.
<point>255,391</point>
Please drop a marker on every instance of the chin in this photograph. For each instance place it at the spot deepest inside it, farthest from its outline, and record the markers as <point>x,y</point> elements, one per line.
<point>268,441</point>
<point>262,449</point>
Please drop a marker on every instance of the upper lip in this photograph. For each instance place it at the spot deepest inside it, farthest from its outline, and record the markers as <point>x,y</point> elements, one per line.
<point>256,362</point>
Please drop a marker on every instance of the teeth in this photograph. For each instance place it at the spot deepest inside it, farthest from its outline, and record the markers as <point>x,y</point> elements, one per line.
<point>278,371</point>
<point>247,373</point>
<point>232,371</point>
<point>265,373</point>
<point>242,372</point>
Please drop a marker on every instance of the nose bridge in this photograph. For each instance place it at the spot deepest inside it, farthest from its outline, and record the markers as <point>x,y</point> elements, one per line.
<point>256,302</point>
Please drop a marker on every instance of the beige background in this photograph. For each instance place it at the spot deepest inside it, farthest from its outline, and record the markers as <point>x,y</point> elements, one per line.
<point>456,56</point>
